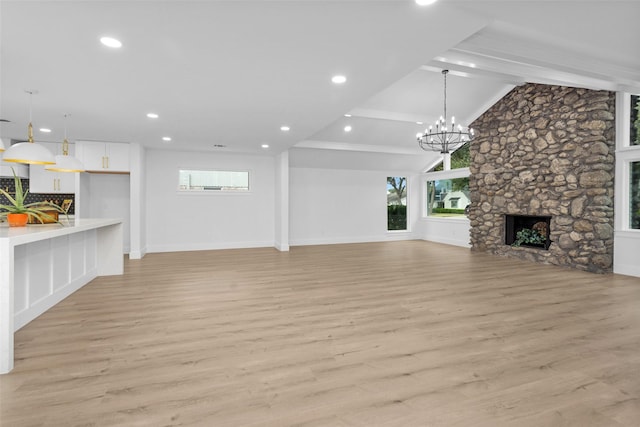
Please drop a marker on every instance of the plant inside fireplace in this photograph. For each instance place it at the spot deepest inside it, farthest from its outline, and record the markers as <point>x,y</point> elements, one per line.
<point>527,236</point>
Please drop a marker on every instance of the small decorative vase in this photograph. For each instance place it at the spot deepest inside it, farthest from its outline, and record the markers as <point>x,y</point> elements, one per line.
<point>17,219</point>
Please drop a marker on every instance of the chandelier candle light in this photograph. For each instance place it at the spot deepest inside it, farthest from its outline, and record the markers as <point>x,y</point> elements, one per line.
<point>445,137</point>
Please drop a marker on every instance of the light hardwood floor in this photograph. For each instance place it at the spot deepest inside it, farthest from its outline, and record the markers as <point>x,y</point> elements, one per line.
<point>384,334</point>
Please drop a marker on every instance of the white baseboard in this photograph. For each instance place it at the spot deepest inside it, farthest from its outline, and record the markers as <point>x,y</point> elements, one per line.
<point>137,254</point>
<point>354,239</point>
<point>452,242</point>
<point>627,270</point>
<point>188,247</point>
<point>281,247</point>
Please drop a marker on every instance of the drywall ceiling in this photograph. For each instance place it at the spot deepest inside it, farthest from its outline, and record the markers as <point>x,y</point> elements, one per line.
<point>233,72</point>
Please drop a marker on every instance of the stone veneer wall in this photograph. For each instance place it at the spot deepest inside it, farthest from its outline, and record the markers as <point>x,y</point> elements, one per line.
<point>547,150</point>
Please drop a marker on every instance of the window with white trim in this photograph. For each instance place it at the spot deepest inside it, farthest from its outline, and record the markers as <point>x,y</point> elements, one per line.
<point>447,197</point>
<point>628,163</point>
<point>213,180</point>
<point>396,203</point>
<point>634,122</point>
<point>634,195</point>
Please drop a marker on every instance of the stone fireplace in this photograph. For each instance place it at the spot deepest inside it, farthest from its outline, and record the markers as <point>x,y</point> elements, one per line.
<point>547,152</point>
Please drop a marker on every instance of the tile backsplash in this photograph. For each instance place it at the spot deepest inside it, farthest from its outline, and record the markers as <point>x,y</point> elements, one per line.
<point>7,184</point>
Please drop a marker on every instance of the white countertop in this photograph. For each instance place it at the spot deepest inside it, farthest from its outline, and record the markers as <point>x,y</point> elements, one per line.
<point>36,232</point>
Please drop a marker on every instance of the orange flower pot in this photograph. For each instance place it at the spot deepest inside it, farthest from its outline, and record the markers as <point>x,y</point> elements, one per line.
<point>17,219</point>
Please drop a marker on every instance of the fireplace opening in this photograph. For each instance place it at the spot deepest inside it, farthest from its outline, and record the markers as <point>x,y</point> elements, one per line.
<point>525,230</point>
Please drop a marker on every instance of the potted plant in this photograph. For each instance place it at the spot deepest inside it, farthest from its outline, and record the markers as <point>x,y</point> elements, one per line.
<point>18,212</point>
<point>528,236</point>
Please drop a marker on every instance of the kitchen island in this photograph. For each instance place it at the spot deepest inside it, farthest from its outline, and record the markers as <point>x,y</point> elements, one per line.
<point>40,265</point>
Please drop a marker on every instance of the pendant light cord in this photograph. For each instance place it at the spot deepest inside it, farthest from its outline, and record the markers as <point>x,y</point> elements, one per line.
<point>65,142</point>
<point>30,127</point>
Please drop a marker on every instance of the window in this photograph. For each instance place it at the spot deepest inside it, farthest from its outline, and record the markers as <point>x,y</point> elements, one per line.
<point>635,120</point>
<point>213,180</point>
<point>459,159</point>
<point>628,163</point>
<point>396,203</point>
<point>634,196</point>
<point>447,197</point>
<point>446,191</point>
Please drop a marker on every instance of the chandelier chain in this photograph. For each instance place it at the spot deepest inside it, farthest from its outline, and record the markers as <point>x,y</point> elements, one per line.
<point>444,138</point>
<point>444,73</point>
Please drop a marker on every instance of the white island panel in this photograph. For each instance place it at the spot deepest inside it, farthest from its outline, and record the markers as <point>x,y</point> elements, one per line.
<point>43,264</point>
<point>39,278</point>
<point>61,263</point>
<point>21,290</point>
<point>91,252</point>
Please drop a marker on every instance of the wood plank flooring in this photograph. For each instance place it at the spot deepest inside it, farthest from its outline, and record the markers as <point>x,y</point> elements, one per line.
<point>384,334</point>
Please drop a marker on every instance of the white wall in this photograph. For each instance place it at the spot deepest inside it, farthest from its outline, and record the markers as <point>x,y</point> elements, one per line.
<point>340,206</point>
<point>108,197</point>
<point>138,202</point>
<point>452,231</point>
<point>282,202</point>
<point>626,247</point>
<point>179,221</point>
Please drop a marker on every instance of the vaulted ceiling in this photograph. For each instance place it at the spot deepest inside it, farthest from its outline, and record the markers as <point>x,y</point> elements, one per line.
<point>231,73</point>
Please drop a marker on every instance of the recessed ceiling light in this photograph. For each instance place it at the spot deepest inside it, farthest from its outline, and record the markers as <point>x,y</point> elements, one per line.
<point>265,145</point>
<point>347,128</point>
<point>347,115</point>
<point>166,138</point>
<point>285,128</point>
<point>45,130</point>
<point>339,79</point>
<point>418,123</point>
<point>425,2</point>
<point>152,115</point>
<point>111,42</point>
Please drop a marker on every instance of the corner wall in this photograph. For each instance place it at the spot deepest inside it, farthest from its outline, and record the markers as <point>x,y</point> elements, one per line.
<point>329,206</point>
<point>282,202</point>
<point>138,202</point>
<point>547,150</point>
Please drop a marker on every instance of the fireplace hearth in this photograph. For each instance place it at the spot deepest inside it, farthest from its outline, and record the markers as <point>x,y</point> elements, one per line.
<point>526,223</point>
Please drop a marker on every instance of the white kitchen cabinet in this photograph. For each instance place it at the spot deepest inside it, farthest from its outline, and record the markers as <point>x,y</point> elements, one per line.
<point>106,157</point>
<point>44,181</point>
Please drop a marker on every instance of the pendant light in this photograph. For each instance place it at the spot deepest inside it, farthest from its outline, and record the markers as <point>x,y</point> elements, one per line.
<point>29,152</point>
<point>65,162</point>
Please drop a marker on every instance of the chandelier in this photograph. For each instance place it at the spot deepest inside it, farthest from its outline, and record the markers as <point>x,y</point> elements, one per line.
<point>445,137</point>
